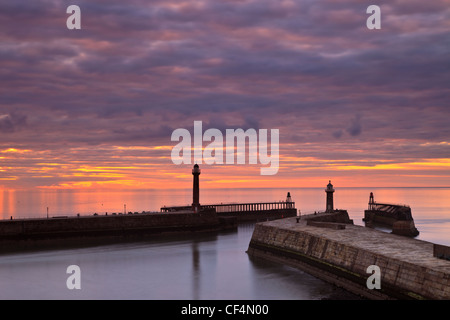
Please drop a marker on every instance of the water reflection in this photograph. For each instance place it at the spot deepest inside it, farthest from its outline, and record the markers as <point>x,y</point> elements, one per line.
<point>195,270</point>
<point>433,202</point>
<point>268,278</point>
<point>5,198</point>
<point>190,266</point>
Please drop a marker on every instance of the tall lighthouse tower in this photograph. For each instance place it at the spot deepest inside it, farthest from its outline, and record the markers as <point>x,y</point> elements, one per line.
<point>329,190</point>
<point>196,189</point>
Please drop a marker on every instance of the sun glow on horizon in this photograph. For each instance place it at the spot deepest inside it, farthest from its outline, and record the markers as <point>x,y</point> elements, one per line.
<point>140,167</point>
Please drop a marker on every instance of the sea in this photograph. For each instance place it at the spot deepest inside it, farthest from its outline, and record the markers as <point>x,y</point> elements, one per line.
<point>201,266</point>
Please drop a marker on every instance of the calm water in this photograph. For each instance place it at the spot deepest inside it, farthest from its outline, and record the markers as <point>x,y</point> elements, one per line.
<point>204,266</point>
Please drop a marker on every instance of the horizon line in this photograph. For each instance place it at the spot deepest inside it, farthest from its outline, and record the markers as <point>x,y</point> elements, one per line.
<point>219,188</point>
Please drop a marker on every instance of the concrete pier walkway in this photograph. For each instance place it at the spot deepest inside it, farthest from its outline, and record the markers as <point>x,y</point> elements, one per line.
<point>342,256</point>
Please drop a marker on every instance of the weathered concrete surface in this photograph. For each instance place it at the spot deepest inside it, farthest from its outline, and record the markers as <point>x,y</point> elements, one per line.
<point>342,256</point>
<point>441,252</point>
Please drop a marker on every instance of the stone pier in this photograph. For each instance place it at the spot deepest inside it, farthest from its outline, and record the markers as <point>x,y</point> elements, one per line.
<point>129,225</point>
<point>341,255</point>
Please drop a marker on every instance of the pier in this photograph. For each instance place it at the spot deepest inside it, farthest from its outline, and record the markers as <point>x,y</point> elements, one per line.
<point>238,207</point>
<point>330,247</point>
<point>251,207</point>
<point>110,226</point>
<point>398,217</point>
<point>342,255</point>
<point>255,211</point>
<point>247,211</point>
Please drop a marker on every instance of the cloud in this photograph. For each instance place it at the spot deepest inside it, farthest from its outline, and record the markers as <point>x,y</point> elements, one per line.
<point>9,123</point>
<point>136,71</point>
<point>355,127</point>
<point>337,134</point>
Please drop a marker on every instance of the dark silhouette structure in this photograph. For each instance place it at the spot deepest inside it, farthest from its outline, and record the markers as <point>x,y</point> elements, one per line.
<point>255,211</point>
<point>288,198</point>
<point>398,217</point>
<point>196,189</point>
<point>329,190</point>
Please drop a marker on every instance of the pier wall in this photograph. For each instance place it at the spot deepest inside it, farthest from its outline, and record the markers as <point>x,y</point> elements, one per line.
<point>441,251</point>
<point>246,216</point>
<point>120,225</point>
<point>246,212</point>
<point>336,256</point>
<point>404,227</point>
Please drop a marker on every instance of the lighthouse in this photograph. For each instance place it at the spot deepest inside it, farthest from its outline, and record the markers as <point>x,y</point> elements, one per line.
<point>329,190</point>
<point>371,202</point>
<point>196,189</point>
<point>288,200</point>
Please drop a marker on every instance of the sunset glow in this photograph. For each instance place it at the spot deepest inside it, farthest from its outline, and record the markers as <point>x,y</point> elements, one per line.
<point>95,108</point>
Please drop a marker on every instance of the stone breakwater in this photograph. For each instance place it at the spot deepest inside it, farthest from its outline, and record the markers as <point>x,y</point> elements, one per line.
<point>110,226</point>
<point>342,255</point>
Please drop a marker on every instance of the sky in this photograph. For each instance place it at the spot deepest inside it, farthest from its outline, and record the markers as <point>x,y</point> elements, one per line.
<point>95,108</point>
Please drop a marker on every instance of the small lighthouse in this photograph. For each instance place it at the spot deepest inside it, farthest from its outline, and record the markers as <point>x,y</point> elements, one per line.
<point>196,189</point>
<point>288,200</point>
<point>329,190</point>
<point>371,202</point>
